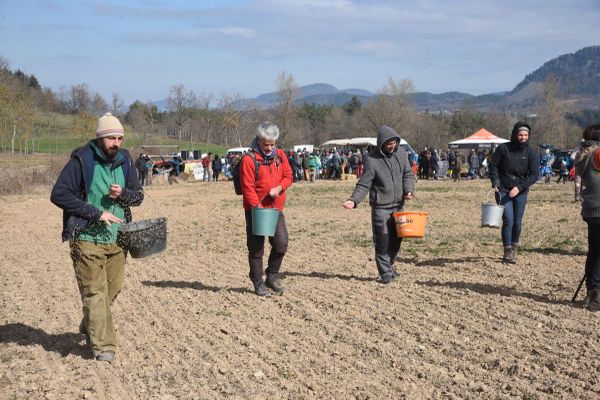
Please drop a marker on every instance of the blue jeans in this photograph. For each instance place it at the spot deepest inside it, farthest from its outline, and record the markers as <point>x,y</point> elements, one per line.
<point>511,219</point>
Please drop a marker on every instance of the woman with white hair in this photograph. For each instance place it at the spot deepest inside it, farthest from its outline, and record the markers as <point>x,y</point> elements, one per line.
<point>265,174</point>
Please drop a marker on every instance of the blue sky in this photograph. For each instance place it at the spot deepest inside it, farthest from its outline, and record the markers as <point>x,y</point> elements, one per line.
<point>140,48</point>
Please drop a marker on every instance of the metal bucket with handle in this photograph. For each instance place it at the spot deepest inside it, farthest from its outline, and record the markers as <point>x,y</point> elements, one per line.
<point>491,213</point>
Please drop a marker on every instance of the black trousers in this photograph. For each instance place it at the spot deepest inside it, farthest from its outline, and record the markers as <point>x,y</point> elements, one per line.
<point>256,249</point>
<point>592,263</point>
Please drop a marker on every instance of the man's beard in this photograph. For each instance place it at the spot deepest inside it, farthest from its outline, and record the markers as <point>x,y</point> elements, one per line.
<point>111,152</point>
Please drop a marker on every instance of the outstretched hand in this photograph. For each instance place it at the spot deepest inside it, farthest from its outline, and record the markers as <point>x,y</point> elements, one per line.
<point>109,218</point>
<point>349,204</point>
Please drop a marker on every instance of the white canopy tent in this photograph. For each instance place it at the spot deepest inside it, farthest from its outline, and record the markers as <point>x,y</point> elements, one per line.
<point>362,141</point>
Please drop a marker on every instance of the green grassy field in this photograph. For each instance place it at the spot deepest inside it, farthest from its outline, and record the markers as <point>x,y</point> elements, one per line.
<point>53,134</point>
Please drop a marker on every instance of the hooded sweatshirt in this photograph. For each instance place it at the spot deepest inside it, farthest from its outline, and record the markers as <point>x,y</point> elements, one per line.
<point>387,177</point>
<point>587,165</point>
<point>514,164</point>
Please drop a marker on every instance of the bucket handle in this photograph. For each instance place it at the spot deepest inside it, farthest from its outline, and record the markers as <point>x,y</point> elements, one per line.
<point>486,199</point>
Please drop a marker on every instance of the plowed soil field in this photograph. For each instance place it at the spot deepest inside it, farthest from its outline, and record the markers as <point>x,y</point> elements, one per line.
<point>456,324</point>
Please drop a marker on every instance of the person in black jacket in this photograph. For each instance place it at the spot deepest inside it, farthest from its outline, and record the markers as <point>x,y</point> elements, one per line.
<point>95,190</point>
<point>141,166</point>
<point>513,170</point>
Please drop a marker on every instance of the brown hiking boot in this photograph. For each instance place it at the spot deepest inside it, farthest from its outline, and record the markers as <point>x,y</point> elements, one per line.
<point>508,255</point>
<point>515,247</point>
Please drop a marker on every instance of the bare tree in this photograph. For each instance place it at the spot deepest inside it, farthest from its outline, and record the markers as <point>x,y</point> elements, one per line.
<point>285,110</point>
<point>232,115</point>
<point>390,107</point>
<point>552,126</point>
<point>98,105</point>
<point>17,106</point>
<point>77,98</point>
<point>117,104</point>
<point>180,104</point>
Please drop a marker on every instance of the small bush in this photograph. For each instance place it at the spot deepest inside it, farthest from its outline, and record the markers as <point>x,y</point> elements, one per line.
<point>15,178</point>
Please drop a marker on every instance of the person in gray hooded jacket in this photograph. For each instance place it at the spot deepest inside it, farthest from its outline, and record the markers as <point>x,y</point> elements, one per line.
<point>389,180</point>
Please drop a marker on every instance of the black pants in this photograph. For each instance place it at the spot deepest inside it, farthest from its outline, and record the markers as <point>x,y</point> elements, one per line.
<point>592,263</point>
<point>142,175</point>
<point>256,249</point>
<point>216,175</point>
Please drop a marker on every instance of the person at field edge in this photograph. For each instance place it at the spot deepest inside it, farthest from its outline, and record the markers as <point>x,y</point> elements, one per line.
<point>513,170</point>
<point>267,190</point>
<point>389,180</point>
<point>140,165</point>
<point>95,190</point>
<point>587,166</point>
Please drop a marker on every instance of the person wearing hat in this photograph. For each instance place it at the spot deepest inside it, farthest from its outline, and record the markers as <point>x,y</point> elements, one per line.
<point>389,181</point>
<point>95,190</point>
<point>513,170</point>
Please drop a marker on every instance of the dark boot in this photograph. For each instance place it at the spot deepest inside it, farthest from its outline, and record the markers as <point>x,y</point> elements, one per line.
<point>588,296</point>
<point>261,290</point>
<point>515,247</point>
<point>594,303</point>
<point>508,255</point>
<point>274,283</point>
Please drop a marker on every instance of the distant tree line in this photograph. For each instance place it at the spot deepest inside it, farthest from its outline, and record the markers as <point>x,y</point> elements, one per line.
<point>28,111</point>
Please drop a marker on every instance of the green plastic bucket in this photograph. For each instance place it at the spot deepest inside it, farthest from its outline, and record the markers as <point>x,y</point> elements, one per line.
<point>264,221</point>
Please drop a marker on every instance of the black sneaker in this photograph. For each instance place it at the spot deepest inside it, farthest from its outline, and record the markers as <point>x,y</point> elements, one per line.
<point>274,283</point>
<point>261,290</point>
<point>594,303</point>
<point>388,279</point>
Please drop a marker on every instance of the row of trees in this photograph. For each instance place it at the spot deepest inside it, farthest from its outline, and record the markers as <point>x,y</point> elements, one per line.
<point>229,120</point>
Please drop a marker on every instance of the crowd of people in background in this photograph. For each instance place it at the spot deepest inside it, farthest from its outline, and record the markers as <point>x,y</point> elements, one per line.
<point>342,163</point>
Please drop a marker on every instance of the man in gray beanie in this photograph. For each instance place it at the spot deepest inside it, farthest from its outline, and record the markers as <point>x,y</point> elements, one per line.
<point>95,190</point>
<point>389,180</point>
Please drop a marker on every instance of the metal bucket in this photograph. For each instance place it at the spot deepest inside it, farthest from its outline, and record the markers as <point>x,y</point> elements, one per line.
<point>144,238</point>
<point>264,221</point>
<point>491,213</point>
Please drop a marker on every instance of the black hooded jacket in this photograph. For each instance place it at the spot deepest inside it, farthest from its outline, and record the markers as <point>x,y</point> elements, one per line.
<point>514,164</point>
<point>387,177</point>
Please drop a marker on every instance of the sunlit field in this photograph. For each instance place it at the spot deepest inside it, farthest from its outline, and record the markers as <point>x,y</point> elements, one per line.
<point>456,324</point>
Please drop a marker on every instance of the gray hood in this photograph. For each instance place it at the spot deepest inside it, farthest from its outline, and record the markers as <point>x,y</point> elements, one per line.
<point>386,133</point>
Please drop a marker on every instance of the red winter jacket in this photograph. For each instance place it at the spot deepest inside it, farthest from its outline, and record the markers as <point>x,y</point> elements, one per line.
<point>277,172</point>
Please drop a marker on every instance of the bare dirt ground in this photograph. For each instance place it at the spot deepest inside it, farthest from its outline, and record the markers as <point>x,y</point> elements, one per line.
<point>456,324</point>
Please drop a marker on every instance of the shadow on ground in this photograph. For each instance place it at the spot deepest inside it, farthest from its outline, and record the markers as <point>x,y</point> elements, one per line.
<point>325,275</point>
<point>193,285</point>
<point>441,261</point>
<point>62,343</point>
<point>485,288</point>
<point>553,250</point>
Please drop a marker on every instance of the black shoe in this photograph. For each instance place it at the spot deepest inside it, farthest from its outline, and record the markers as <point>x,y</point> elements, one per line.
<point>274,283</point>
<point>261,290</point>
<point>587,298</point>
<point>388,279</point>
<point>594,303</point>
